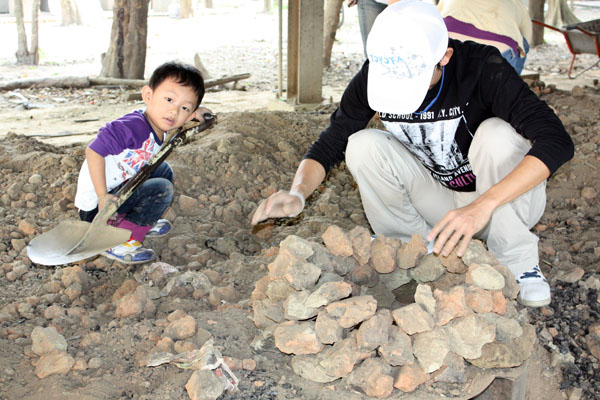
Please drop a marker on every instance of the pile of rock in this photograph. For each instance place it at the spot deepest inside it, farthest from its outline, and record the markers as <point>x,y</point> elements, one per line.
<point>334,308</point>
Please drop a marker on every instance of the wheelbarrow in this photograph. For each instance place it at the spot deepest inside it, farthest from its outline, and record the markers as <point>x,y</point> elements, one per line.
<point>581,38</point>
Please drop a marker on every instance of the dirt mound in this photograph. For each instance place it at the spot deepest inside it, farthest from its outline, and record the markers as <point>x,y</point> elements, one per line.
<point>221,175</point>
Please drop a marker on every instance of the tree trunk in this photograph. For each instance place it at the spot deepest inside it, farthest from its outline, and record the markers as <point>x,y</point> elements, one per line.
<point>331,21</point>
<point>69,13</point>
<point>185,8</point>
<point>35,12</point>
<point>267,8</point>
<point>24,56</point>
<point>560,14</point>
<point>536,11</point>
<point>208,3</point>
<point>126,55</point>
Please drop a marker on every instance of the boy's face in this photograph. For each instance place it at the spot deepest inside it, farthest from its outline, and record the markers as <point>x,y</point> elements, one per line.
<point>169,105</point>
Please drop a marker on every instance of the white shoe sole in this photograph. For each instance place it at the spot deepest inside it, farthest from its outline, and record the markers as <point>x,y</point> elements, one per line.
<point>533,303</point>
<point>107,255</point>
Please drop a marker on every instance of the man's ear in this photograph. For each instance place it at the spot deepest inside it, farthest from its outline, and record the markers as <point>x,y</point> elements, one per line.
<point>447,56</point>
<point>146,94</point>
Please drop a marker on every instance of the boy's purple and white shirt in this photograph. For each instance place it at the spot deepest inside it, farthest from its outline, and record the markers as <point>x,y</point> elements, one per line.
<point>126,144</point>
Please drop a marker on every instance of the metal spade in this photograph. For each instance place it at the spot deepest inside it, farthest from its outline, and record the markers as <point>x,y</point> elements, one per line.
<point>72,241</point>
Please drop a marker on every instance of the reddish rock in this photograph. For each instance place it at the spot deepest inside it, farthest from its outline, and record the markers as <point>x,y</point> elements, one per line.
<point>297,338</point>
<point>352,311</point>
<point>337,242</point>
<point>407,256</point>
<point>450,305</point>
<point>361,244</point>
<point>181,328</point>
<point>410,377</point>
<point>383,258</point>
<point>413,319</point>
<point>126,287</point>
<point>499,303</point>
<point>453,263</point>
<point>479,300</point>
<point>327,328</point>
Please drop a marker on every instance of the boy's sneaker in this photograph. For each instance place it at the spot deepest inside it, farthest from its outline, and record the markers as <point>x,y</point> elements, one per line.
<point>535,291</point>
<point>160,229</point>
<point>130,252</point>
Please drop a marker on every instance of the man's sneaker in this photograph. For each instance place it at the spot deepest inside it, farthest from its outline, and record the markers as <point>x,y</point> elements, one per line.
<point>160,229</point>
<point>130,252</point>
<point>535,291</point>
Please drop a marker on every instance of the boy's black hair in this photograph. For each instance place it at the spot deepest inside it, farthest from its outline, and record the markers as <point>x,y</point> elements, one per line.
<point>184,74</point>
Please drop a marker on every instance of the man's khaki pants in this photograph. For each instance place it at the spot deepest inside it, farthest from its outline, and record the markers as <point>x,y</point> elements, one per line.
<point>400,197</point>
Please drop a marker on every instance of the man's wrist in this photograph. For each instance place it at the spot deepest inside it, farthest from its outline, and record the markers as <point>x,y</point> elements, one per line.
<point>298,195</point>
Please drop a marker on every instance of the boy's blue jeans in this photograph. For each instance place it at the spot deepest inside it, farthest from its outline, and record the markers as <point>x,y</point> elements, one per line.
<point>146,205</point>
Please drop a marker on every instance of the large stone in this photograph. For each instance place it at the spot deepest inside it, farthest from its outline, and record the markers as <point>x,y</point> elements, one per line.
<point>373,378</point>
<point>181,328</point>
<point>267,313</point>
<point>383,256</point>
<point>54,362</point>
<point>409,378</point>
<point>300,248</point>
<point>327,328</point>
<point>428,269</point>
<point>507,354</point>
<point>431,348</point>
<point>468,334</point>
<point>303,275</point>
<point>308,367</point>
<point>279,289</point>
<point>204,385</point>
<point>352,311</point>
<point>397,278</point>
<point>450,305</point>
<point>385,298</point>
<point>424,297</point>
<point>361,244</point>
<point>398,350</point>
<point>453,263</point>
<point>340,359</point>
<point>479,300</point>
<point>453,370</point>
<point>408,255</point>
<point>506,328</point>
<point>511,287</point>
<point>485,277</point>
<point>374,332</point>
<point>46,340</point>
<point>328,293</point>
<point>295,307</point>
<point>297,338</point>
<point>477,253</point>
<point>337,242</point>
<point>413,319</point>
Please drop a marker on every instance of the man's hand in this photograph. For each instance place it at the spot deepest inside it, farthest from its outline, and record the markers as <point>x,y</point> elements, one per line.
<point>278,205</point>
<point>103,200</point>
<point>351,3</point>
<point>459,225</point>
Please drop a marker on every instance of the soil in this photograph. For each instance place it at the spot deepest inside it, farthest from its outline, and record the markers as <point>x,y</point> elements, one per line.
<point>221,176</point>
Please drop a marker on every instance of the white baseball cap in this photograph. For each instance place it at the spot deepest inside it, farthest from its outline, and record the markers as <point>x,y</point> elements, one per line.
<point>406,42</point>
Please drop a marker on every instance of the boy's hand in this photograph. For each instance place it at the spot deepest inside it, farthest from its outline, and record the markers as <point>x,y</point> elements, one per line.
<point>103,200</point>
<point>199,114</point>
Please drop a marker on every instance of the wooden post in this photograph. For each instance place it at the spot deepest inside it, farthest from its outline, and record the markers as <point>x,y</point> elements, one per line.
<point>305,50</point>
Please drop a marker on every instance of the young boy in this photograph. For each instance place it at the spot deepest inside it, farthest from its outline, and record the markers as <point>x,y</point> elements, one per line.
<point>125,145</point>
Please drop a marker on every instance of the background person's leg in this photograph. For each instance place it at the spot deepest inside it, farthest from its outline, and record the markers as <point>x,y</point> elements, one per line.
<point>399,195</point>
<point>368,10</point>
